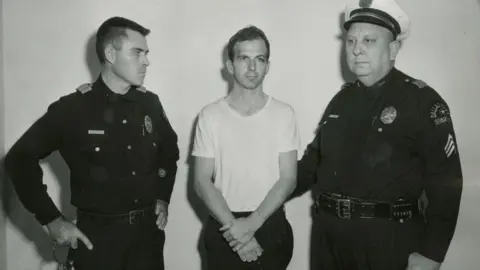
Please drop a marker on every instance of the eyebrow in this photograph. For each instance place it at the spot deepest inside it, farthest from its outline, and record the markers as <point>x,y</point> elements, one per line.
<point>140,50</point>
<point>258,56</point>
<point>368,35</point>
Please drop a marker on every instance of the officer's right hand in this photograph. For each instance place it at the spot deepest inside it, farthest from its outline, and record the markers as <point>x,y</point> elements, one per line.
<point>64,232</point>
<point>251,251</point>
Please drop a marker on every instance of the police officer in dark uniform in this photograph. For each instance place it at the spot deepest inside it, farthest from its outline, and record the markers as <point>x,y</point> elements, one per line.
<point>383,141</point>
<point>122,154</point>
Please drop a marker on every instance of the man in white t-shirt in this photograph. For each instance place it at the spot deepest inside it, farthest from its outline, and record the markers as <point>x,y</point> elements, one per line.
<point>245,153</point>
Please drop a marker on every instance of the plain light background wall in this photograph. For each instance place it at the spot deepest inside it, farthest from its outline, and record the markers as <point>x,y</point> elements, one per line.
<point>3,261</point>
<point>48,53</point>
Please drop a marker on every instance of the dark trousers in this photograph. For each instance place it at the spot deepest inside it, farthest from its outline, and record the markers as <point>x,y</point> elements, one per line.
<point>119,245</point>
<point>275,237</point>
<point>363,244</point>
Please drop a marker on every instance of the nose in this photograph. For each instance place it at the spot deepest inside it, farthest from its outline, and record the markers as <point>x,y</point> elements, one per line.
<point>252,65</point>
<point>357,48</point>
<point>145,61</point>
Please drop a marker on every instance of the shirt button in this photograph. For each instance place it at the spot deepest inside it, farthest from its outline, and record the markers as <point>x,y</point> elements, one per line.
<point>380,129</point>
<point>97,149</point>
<point>136,201</point>
<point>124,121</point>
<point>133,173</point>
<point>129,147</point>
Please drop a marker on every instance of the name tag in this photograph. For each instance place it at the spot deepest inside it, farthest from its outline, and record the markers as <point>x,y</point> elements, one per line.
<point>333,116</point>
<point>96,132</point>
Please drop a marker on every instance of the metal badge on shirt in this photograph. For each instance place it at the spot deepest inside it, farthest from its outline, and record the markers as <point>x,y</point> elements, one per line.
<point>388,115</point>
<point>148,124</point>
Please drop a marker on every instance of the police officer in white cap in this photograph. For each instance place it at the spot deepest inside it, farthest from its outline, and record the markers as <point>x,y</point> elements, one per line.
<point>383,141</point>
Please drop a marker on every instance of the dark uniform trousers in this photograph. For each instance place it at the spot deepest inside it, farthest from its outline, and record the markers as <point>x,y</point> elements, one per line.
<point>120,242</point>
<point>275,237</point>
<point>363,244</point>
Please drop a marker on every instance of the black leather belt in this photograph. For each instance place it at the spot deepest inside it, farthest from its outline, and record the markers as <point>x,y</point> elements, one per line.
<point>348,208</point>
<point>130,218</point>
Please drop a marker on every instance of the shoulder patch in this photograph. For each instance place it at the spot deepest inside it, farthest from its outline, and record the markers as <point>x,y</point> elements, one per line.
<point>419,83</point>
<point>439,113</point>
<point>142,89</point>
<point>346,85</point>
<point>84,88</point>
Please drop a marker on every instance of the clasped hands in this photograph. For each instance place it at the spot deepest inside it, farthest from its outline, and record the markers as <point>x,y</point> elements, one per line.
<point>240,236</point>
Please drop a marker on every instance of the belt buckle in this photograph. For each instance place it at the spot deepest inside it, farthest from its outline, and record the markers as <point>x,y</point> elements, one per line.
<point>132,216</point>
<point>344,208</point>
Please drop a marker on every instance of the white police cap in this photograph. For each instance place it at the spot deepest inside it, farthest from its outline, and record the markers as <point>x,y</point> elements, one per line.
<point>385,13</point>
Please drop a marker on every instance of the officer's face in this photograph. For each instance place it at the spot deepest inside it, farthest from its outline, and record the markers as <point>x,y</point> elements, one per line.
<point>130,61</point>
<point>370,50</point>
<point>250,65</point>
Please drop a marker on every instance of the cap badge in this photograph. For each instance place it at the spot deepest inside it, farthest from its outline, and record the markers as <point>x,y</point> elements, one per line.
<point>365,3</point>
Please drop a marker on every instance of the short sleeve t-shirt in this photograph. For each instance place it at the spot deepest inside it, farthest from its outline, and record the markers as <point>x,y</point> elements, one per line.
<point>245,148</point>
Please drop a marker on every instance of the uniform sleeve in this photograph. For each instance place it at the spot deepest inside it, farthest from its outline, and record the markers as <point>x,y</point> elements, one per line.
<point>203,142</point>
<point>23,168</point>
<point>443,179</point>
<point>308,164</point>
<point>307,167</point>
<point>289,136</point>
<point>168,156</point>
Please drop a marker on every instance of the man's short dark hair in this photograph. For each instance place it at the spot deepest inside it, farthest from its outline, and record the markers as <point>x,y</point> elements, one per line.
<point>112,31</point>
<point>247,34</point>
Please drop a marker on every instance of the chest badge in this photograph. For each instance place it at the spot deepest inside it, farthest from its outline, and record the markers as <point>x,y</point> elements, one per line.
<point>148,124</point>
<point>388,115</point>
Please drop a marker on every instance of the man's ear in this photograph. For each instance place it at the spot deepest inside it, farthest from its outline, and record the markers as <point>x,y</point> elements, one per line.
<point>394,49</point>
<point>110,53</point>
<point>229,65</point>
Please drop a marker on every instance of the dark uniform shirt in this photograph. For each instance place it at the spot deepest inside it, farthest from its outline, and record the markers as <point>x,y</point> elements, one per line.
<point>386,142</point>
<point>121,151</point>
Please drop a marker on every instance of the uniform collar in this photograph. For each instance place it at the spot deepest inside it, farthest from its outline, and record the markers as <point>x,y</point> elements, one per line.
<point>131,95</point>
<point>377,88</point>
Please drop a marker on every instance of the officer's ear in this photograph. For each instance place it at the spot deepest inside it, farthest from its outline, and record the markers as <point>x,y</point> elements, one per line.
<point>395,46</point>
<point>110,53</point>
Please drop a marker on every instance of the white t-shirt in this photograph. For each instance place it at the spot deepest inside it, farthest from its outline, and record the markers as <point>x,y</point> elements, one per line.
<point>245,148</point>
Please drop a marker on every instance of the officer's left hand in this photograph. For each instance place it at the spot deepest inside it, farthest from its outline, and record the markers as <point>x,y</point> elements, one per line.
<point>161,210</point>
<point>239,232</point>
<point>416,261</point>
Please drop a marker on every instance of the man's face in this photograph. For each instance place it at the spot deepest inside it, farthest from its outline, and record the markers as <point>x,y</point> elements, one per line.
<point>250,65</point>
<point>370,49</point>
<point>130,61</point>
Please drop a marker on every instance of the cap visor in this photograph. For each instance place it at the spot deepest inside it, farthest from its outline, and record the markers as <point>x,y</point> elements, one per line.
<point>365,19</point>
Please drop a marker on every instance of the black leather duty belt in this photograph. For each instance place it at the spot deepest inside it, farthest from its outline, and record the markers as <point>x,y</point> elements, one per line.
<point>349,208</point>
<point>130,218</point>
